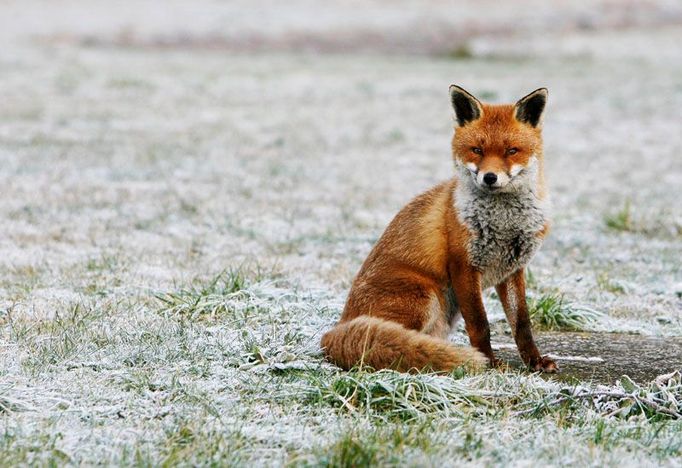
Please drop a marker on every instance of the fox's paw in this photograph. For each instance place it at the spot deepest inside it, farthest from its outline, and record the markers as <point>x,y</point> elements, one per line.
<point>544,364</point>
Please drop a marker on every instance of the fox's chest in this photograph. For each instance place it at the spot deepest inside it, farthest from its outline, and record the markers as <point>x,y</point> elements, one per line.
<point>504,232</point>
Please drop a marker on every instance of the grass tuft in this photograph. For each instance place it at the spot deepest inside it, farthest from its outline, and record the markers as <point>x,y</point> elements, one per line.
<point>606,283</point>
<point>394,395</point>
<point>217,298</point>
<point>659,223</point>
<point>553,312</point>
<point>379,446</point>
<point>391,396</point>
<point>660,400</point>
<point>621,220</point>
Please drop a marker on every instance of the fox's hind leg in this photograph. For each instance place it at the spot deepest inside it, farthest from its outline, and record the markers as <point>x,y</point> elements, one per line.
<point>399,324</point>
<point>407,299</point>
<point>512,293</point>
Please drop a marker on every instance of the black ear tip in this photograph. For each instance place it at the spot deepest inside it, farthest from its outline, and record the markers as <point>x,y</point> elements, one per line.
<point>457,89</point>
<point>540,92</point>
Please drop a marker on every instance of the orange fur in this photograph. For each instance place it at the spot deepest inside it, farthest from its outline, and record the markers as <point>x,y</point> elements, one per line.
<point>495,132</point>
<point>385,344</point>
<point>396,315</point>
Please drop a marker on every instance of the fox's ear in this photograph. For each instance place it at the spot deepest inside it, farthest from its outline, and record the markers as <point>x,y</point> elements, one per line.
<point>529,109</point>
<point>467,108</point>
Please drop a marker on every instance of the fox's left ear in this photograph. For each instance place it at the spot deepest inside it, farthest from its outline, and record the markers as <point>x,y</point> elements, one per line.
<point>467,108</point>
<point>529,109</point>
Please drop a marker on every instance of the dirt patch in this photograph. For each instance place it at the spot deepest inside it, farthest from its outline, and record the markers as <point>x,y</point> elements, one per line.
<point>604,357</point>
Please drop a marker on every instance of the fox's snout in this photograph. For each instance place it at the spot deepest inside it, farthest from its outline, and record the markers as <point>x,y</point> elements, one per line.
<point>489,179</point>
<point>492,179</point>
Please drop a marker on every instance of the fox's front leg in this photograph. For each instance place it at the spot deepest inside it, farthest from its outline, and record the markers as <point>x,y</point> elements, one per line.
<point>467,288</point>
<point>512,294</point>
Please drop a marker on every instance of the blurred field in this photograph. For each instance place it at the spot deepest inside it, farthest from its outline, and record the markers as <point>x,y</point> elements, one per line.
<point>146,147</point>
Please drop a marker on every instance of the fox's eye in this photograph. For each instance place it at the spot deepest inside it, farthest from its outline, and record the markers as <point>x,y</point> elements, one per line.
<point>511,151</point>
<point>477,150</point>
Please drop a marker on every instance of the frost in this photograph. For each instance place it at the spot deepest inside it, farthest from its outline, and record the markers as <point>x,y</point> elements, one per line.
<point>142,155</point>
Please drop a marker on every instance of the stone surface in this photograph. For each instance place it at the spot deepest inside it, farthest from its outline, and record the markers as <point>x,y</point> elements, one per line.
<point>603,357</point>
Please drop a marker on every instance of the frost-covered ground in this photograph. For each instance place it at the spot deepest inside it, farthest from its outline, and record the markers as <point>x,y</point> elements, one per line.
<point>147,147</point>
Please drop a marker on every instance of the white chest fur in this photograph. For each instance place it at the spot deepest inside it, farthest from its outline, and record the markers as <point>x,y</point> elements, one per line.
<point>504,228</point>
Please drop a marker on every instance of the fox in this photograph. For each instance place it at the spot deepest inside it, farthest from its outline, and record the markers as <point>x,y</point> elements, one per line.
<point>443,249</point>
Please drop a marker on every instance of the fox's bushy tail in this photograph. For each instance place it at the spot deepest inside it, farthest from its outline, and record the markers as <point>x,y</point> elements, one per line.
<point>381,344</point>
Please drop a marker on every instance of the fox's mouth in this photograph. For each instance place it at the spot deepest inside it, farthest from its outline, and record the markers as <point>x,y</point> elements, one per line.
<point>489,188</point>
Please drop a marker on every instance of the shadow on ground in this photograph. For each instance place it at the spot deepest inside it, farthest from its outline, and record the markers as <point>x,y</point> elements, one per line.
<point>603,357</point>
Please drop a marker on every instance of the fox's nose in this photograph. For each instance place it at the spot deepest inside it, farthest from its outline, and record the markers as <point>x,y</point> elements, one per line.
<point>490,178</point>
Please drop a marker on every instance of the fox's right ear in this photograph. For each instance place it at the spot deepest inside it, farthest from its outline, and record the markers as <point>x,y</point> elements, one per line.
<point>529,108</point>
<point>467,107</point>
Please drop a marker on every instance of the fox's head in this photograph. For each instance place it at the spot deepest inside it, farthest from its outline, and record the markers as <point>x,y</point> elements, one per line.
<point>499,147</point>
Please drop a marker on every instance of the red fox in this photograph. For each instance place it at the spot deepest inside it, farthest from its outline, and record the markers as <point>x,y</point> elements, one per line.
<point>445,247</point>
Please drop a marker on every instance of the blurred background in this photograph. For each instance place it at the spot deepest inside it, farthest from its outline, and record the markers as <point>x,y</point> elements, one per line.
<point>148,142</point>
<point>457,28</point>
